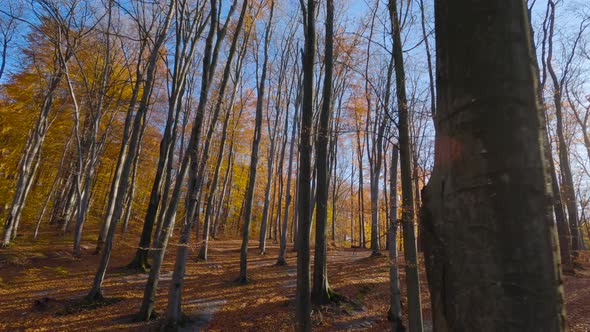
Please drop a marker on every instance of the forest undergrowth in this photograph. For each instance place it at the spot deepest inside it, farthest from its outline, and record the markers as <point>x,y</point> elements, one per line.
<point>42,288</point>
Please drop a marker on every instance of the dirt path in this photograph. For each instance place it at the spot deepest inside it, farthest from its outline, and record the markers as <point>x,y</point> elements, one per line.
<point>211,299</point>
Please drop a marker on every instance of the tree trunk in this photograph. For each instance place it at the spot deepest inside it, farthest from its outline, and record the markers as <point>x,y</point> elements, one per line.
<point>408,213</point>
<point>226,75</point>
<point>487,209</point>
<point>395,309</point>
<point>123,151</point>
<point>30,162</point>
<point>569,195</point>
<point>321,292</point>
<point>303,296</point>
<point>190,165</point>
<point>248,200</point>
<point>134,141</point>
<point>283,243</point>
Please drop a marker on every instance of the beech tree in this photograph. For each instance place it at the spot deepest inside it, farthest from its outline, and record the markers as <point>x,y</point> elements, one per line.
<point>248,199</point>
<point>321,292</point>
<point>405,158</point>
<point>60,24</point>
<point>501,244</point>
<point>303,295</point>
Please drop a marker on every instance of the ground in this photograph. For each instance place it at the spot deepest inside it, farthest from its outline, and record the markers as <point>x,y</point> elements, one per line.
<point>41,284</point>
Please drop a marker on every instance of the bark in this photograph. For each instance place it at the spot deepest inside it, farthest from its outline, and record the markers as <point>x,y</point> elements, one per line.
<point>374,128</point>
<point>333,163</point>
<point>266,212</point>
<point>267,190</point>
<point>352,200</point>
<point>225,193</point>
<point>487,208</point>
<point>563,231</point>
<point>228,183</point>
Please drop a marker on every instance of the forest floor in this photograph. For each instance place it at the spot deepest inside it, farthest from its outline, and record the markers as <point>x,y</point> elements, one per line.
<point>41,285</point>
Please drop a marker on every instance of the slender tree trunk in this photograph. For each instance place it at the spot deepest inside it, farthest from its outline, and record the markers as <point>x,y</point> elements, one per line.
<point>225,193</point>
<point>408,213</point>
<point>134,142</point>
<point>248,200</point>
<point>283,243</point>
<point>226,75</point>
<point>569,195</point>
<point>361,198</point>
<point>131,194</point>
<point>123,151</point>
<point>189,165</point>
<point>267,202</point>
<point>395,309</point>
<point>321,292</point>
<point>59,175</point>
<point>563,231</point>
<point>352,199</point>
<point>30,162</point>
<point>431,88</point>
<point>303,295</point>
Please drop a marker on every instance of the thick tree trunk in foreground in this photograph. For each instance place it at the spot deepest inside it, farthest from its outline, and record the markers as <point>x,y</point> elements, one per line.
<point>487,208</point>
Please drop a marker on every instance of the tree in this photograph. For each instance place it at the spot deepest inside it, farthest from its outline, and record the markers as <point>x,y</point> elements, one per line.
<point>487,216</point>
<point>303,296</point>
<point>189,165</point>
<point>567,185</point>
<point>395,308</point>
<point>283,241</point>
<point>128,150</point>
<point>59,28</point>
<point>243,278</point>
<point>224,82</point>
<point>321,292</point>
<point>405,156</point>
<point>563,231</point>
<point>8,28</point>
